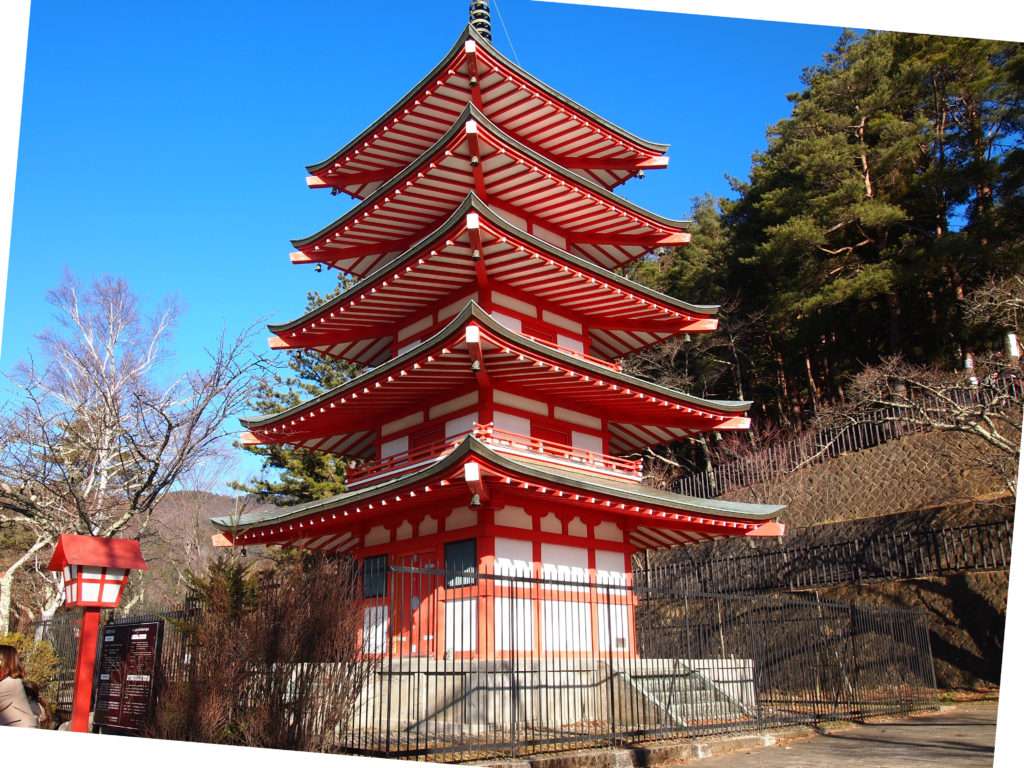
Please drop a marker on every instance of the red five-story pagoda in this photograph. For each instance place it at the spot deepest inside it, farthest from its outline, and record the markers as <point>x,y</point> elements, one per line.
<point>492,429</point>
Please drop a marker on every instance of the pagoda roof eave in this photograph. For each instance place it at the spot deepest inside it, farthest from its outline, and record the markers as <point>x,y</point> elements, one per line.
<point>473,311</point>
<point>474,203</point>
<point>471,447</point>
<point>472,113</point>
<point>471,34</point>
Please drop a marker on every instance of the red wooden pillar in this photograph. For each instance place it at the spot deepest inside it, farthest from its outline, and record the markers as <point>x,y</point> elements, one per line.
<point>84,669</point>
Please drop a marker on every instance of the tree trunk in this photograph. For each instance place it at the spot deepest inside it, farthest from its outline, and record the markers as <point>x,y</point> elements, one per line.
<point>893,301</point>
<point>6,588</point>
<point>7,583</point>
<point>811,382</point>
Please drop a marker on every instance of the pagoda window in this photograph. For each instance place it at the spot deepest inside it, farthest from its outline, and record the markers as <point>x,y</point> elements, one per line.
<point>402,424</point>
<point>575,417</point>
<point>613,626</point>
<point>566,625</point>
<point>520,403</point>
<point>453,405</point>
<point>375,576</point>
<point>460,563</point>
<point>513,623</point>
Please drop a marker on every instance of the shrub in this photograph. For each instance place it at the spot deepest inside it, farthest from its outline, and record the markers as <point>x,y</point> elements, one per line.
<point>40,661</point>
<point>273,659</point>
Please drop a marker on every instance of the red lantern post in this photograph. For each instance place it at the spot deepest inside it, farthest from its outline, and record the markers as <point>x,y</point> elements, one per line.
<point>95,573</point>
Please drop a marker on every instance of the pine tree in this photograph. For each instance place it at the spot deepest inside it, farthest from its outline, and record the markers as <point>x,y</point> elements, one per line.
<point>291,475</point>
<point>890,192</point>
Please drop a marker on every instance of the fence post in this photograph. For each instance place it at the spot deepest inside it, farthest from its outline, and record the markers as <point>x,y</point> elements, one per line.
<point>611,664</point>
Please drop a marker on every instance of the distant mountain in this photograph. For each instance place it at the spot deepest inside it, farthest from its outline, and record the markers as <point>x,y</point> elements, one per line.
<point>178,541</point>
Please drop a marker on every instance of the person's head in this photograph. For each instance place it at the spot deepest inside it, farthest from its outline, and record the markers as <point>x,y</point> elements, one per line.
<point>10,664</point>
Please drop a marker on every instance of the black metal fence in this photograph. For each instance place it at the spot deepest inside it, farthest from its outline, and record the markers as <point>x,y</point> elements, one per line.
<point>62,630</point>
<point>817,445</point>
<point>486,663</point>
<point>798,562</point>
<point>482,664</point>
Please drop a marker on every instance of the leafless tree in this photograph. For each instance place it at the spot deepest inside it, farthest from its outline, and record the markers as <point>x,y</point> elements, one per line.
<point>984,403</point>
<point>998,302</point>
<point>274,657</point>
<point>102,431</point>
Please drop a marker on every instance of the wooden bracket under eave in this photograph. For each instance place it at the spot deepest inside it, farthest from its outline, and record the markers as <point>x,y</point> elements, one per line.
<point>219,540</point>
<point>661,161</point>
<point>680,238</point>
<point>276,342</point>
<point>701,325</point>
<point>734,422</point>
<point>771,528</point>
<point>315,182</point>
<point>298,257</point>
<point>248,438</point>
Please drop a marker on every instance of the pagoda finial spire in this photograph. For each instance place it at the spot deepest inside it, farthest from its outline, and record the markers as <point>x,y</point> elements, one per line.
<point>480,17</point>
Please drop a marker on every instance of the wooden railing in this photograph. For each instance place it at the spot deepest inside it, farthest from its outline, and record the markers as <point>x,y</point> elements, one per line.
<point>425,454</point>
<point>502,441</point>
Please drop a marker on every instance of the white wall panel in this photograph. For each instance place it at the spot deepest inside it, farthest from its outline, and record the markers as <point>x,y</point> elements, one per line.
<point>375,629</point>
<point>563,563</point>
<point>613,622</point>
<point>512,557</point>
<point>517,425</point>
<point>460,625</point>
<point>513,623</point>
<point>394,447</point>
<point>565,625</point>
<point>611,568</point>
<point>460,425</point>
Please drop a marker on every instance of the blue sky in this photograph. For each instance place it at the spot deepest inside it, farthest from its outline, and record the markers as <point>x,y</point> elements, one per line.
<point>166,142</point>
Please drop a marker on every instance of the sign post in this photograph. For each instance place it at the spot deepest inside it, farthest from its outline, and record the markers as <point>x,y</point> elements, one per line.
<point>95,573</point>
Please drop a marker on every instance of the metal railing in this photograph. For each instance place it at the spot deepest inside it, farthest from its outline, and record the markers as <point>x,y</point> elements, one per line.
<point>815,446</point>
<point>61,631</point>
<point>475,664</point>
<point>471,664</point>
<point>800,561</point>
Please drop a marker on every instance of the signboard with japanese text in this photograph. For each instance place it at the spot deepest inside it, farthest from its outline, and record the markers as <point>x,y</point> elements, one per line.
<point>128,667</point>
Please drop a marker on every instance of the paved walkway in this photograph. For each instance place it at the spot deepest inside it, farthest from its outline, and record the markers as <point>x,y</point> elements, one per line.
<point>963,737</point>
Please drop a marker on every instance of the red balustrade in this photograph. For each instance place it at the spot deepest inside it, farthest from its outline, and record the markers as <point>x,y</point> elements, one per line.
<point>502,441</point>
